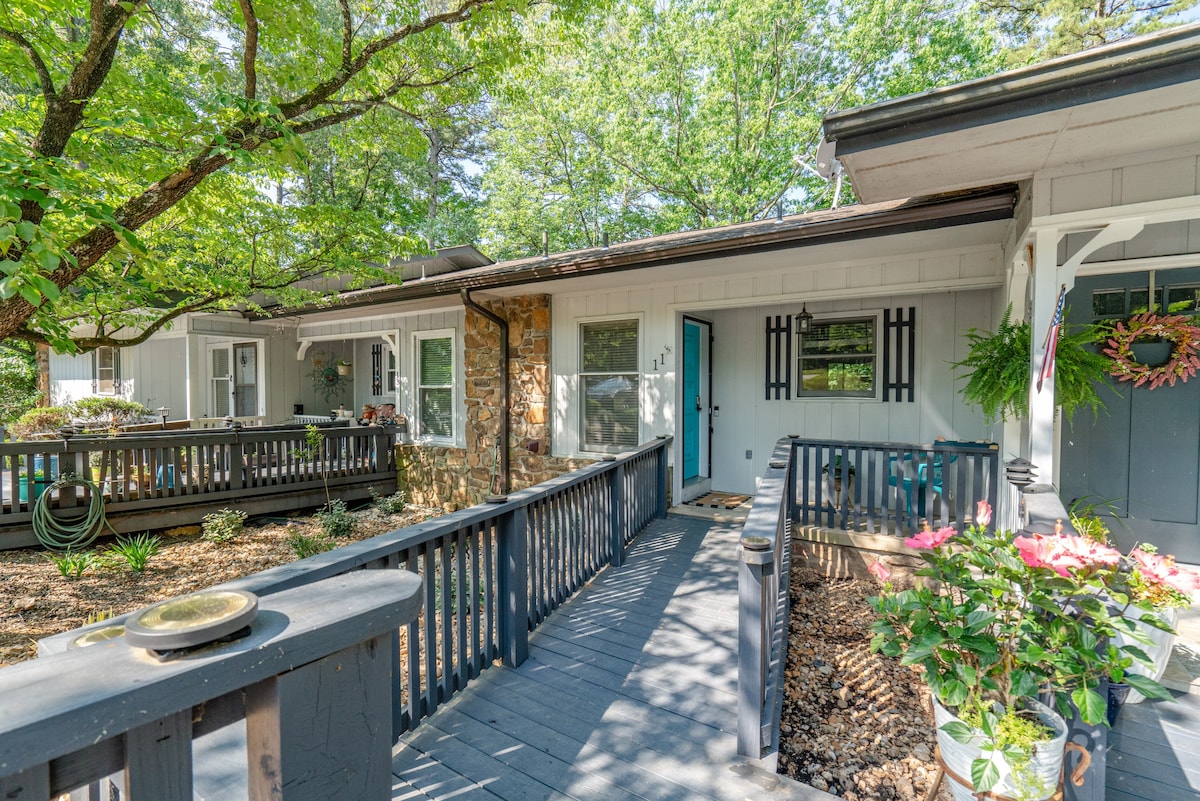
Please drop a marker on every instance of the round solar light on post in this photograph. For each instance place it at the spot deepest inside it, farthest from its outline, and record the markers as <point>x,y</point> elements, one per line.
<point>164,412</point>
<point>191,620</point>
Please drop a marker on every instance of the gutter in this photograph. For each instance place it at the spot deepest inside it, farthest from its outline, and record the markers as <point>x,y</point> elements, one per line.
<point>1150,62</point>
<point>505,412</point>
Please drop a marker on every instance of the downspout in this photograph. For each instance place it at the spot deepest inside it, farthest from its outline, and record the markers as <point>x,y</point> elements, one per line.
<point>505,414</point>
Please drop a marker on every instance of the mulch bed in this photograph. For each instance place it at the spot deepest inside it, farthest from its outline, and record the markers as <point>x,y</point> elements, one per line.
<point>37,601</point>
<point>854,724</point>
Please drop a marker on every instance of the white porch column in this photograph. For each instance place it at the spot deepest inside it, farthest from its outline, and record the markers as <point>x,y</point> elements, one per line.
<point>1043,295</point>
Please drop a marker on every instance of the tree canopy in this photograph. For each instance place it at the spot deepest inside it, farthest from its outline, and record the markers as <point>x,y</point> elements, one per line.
<point>143,141</point>
<point>172,156</point>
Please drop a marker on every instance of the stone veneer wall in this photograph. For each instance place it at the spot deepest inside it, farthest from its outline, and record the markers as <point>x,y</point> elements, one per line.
<point>452,478</point>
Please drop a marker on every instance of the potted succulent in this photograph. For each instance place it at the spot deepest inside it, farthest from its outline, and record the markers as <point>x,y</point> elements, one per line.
<point>1000,622</point>
<point>1152,349</point>
<point>999,367</point>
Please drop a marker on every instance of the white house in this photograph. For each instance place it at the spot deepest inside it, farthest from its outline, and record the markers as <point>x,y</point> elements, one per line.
<point>1084,171</point>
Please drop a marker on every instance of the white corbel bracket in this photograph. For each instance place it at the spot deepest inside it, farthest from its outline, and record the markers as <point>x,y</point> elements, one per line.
<point>1115,231</point>
<point>302,350</point>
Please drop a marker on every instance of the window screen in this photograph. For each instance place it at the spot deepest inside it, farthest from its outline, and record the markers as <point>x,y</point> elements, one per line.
<point>838,358</point>
<point>435,386</point>
<point>610,382</point>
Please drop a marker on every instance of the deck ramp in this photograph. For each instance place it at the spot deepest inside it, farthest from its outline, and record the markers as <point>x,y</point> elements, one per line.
<point>629,693</point>
<point>1154,752</point>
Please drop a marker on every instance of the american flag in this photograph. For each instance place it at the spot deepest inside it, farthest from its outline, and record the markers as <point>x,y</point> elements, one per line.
<point>1052,339</point>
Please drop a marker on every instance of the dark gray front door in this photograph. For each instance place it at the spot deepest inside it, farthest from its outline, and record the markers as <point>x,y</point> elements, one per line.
<point>1141,454</point>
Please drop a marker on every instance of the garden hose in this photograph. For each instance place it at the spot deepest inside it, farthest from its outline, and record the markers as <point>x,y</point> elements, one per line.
<point>69,532</point>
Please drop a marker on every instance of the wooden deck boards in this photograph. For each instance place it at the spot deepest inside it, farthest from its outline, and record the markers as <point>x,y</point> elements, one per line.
<point>628,693</point>
<point>1154,752</point>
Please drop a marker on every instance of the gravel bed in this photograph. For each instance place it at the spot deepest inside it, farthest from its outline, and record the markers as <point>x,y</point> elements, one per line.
<point>854,724</point>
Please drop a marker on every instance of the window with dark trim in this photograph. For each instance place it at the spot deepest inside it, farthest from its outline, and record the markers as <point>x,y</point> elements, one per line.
<point>609,379</point>
<point>1119,304</point>
<point>839,358</point>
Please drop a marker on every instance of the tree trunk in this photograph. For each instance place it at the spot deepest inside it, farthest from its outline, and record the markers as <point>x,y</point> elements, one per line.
<point>43,373</point>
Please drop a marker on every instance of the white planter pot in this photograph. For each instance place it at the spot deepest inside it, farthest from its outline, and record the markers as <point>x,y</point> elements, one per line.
<point>1039,782</point>
<point>1159,653</point>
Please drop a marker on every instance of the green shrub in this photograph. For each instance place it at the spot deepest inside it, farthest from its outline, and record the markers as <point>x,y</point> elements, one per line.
<point>224,525</point>
<point>389,504</point>
<point>46,420</point>
<point>335,520</point>
<point>305,545</point>
<point>108,412</point>
<point>136,550</point>
<point>71,564</point>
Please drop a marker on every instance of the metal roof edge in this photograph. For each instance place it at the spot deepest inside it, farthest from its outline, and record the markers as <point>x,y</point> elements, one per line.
<point>1147,62</point>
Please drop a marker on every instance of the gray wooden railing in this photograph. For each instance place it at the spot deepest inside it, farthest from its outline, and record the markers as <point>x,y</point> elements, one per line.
<point>170,478</point>
<point>891,488</point>
<point>765,560</point>
<point>315,660</point>
<point>859,486</point>
<point>491,573</point>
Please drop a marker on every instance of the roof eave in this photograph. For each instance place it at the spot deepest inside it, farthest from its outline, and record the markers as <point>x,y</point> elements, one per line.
<point>962,208</point>
<point>1161,59</point>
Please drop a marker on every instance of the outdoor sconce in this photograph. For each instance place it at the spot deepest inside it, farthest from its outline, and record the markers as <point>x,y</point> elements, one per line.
<point>804,320</point>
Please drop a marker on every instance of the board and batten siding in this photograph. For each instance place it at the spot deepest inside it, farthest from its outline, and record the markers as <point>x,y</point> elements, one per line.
<point>352,340</point>
<point>153,373</point>
<point>1139,179</point>
<point>737,306</point>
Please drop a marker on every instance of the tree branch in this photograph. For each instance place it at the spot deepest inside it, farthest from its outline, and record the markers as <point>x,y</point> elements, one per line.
<point>39,66</point>
<point>250,49</point>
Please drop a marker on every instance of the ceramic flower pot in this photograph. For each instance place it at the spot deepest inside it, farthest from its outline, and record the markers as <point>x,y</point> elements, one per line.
<point>1037,782</point>
<point>343,369</point>
<point>1159,652</point>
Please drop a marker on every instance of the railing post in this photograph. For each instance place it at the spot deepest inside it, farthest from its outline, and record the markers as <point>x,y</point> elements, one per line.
<point>756,558</point>
<point>514,587</point>
<point>616,514</point>
<point>661,476</point>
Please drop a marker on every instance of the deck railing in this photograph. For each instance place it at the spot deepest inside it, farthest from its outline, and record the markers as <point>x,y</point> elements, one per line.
<point>315,660</point>
<point>877,488</point>
<point>491,574</point>
<point>175,477</point>
<point>891,488</point>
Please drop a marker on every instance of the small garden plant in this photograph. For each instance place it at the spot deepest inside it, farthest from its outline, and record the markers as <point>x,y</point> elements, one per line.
<point>335,520</point>
<point>136,550</point>
<point>224,525</point>
<point>306,545</point>
<point>73,564</point>
<point>388,504</point>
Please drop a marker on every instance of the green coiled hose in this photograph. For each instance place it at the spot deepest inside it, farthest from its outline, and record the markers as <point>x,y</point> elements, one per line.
<point>69,531</point>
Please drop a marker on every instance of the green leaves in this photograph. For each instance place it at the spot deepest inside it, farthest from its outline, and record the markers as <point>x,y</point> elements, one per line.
<point>1091,704</point>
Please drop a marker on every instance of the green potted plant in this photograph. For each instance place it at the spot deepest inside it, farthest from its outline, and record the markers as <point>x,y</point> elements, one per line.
<point>1152,349</point>
<point>343,367</point>
<point>998,366</point>
<point>1001,621</point>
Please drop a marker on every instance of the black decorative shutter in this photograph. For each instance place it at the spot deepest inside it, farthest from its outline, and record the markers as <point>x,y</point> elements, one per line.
<point>779,357</point>
<point>899,354</point>
<point>377,370</point>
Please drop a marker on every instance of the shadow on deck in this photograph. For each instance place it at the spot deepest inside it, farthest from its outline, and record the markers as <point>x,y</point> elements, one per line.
<point>629,692</point>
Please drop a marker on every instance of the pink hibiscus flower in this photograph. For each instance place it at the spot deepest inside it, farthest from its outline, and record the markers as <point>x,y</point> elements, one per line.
<point>983,514</point>
<point>879,570</point>
<point>928,540</point>
<point>1162,570</point>
<point>1064,553</point>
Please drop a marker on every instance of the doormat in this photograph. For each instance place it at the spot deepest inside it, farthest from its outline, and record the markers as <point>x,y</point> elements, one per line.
<point>719,500</point>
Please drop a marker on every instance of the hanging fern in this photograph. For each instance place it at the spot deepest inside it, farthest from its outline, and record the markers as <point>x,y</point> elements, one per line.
<point>999,370</point>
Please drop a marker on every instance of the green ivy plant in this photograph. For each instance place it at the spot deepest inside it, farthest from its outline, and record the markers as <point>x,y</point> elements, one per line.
<point>998,370</point>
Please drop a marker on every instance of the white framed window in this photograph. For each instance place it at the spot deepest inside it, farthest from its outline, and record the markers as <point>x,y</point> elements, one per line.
<point>435,367</point>
<point>610,382</point>
<point>105,371</point>
<point>390,384</point>
<point>839,358</point>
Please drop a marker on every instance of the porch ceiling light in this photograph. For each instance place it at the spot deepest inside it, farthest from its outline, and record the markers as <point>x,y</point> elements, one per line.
<point>804,320</point>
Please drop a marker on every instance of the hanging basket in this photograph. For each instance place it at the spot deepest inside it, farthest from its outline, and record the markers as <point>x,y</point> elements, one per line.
<point>343,369</point>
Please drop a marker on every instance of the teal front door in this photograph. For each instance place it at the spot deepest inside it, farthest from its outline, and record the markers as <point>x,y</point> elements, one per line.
<point>694,411</point>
